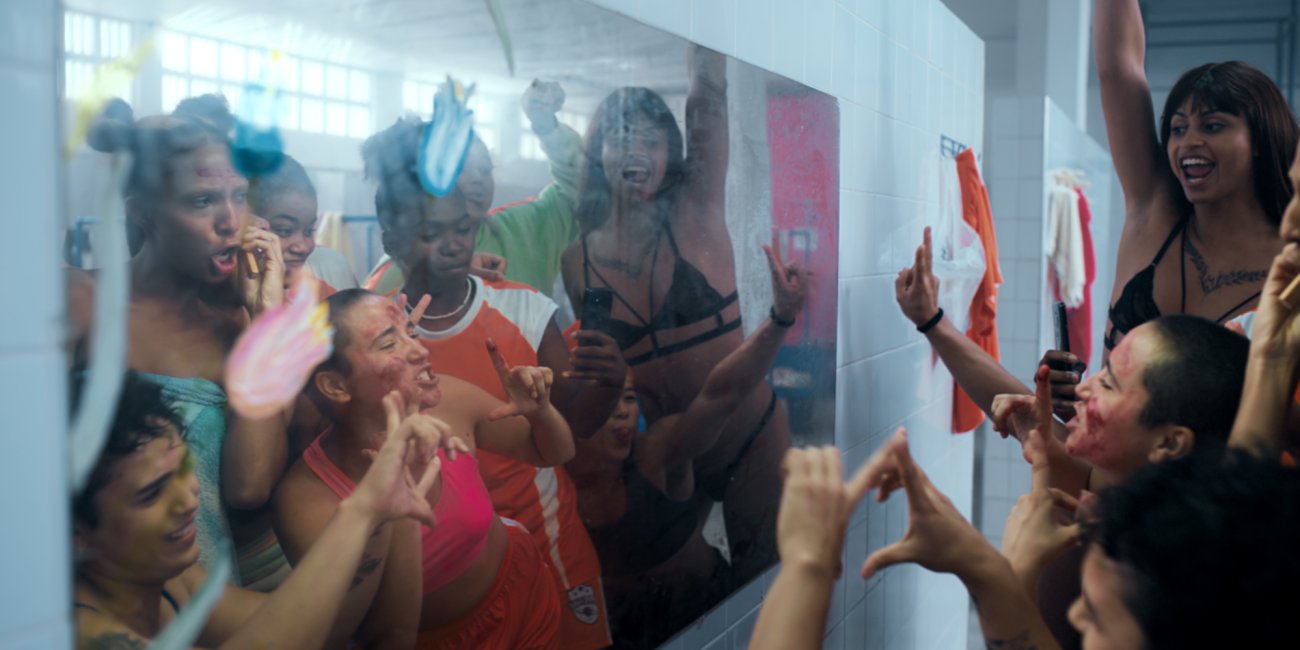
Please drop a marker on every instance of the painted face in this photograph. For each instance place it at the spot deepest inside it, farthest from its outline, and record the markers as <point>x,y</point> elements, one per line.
<point>1210,153</point>
<point>292,216</point>
<point>384,356</point>
<point>146,514</point>
<point>1107,431</point>
<point>1290,229</point>
<point>436,241</point>
<point>635,158</point>
<point>196,226</point>
<point>614,440</point>
<point>1100,613</point>
<point>476,181</point>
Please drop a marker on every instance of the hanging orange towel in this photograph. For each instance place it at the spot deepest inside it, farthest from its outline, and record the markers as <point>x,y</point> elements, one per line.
<point>983,329</point>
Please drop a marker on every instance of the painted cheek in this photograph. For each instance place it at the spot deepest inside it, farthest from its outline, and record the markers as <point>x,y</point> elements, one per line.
<point>1093,442</point>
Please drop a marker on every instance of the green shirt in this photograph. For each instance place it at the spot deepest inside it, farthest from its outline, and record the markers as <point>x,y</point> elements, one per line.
<point>532,235</point>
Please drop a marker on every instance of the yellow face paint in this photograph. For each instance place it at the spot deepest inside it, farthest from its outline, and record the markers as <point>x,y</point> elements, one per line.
<point>109,81</point>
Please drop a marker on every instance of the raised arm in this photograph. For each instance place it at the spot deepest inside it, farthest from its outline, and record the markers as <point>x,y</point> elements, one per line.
<point>1119,43</point>
<point>528,428</point>
<point>588,382</point>
<point>979,374</point>
<point>707,137</point>
<point>662,454</point>
<point>1267,396</point>
<point>253,457</point>
<point>941,540</point>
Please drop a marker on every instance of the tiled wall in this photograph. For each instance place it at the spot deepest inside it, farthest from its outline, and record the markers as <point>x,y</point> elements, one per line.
<point>905,71</point>
<point>34,549</point>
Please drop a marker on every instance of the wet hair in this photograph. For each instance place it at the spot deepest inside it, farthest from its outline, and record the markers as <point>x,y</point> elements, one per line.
<point>392,162</point>
<point>1206,550</point>
<point>143,414</point>
<point>1240,89</point>
<point>339,303</point>
<point>1195,379</point>
<point>290,177</point>
<point>154,141</point>
<point>616,111</point>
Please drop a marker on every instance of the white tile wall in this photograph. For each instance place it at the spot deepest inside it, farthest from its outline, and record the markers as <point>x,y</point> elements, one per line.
<point>905,71</point>
<point>34,554</point>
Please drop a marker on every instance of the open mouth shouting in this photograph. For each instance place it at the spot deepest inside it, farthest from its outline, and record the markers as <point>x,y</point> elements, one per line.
<point>636,169</point>
<point>224,261</point>
<point>1195,169</point>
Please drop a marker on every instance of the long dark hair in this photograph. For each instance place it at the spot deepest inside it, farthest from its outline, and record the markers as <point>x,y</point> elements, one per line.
<point>1240,89</point>
<point>619,108</point>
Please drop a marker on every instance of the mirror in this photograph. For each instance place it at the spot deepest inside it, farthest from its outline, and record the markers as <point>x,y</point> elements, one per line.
<point>634,184</point>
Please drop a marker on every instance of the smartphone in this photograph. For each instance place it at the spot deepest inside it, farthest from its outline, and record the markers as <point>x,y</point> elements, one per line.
<point>1062,328</point>
<point>596,305</point>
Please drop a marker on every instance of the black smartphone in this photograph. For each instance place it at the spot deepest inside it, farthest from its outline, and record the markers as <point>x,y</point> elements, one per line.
<point>596,305</point>
<point>1062,328</point>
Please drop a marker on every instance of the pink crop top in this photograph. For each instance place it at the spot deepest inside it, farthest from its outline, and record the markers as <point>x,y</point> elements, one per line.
<point>464,514</point>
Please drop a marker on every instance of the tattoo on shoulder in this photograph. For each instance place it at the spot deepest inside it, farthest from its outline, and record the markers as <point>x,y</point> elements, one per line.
<point>115,641</point>
<point>1210,284</point>
<point>368,565</point>
<point>1018,642</point>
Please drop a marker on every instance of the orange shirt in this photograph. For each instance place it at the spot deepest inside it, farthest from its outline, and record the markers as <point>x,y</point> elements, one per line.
<point>983,328</point>
<point>515,316</point>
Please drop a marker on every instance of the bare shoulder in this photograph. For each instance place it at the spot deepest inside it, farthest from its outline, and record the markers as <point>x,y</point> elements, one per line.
<point>299,489</point>
<point>96,631</point>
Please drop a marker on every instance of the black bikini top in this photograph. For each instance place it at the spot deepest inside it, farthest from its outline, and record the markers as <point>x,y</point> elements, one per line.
<point>654,528</point>
<point>1137,303</point>
<point>690,299</point>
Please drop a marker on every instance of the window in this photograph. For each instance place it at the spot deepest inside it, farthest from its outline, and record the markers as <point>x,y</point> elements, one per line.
<point>89,42</point>
<point>315,96</point>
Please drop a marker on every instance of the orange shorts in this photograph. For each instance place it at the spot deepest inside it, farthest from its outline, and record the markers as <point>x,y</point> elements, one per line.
<point>584,624</point>
<point>519,611</point>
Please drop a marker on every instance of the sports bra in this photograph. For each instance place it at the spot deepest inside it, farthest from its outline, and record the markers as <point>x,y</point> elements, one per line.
<point>1137,305</point>
<point>464,514</point>
<point>690,299</point>
<point>652,530</point>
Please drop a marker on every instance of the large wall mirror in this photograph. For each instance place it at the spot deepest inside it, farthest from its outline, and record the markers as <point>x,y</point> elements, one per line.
<point>630,177</point>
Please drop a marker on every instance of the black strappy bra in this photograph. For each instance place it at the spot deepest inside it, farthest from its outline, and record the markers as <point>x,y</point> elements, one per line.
<point>1137,304</point>
<point>690,299</point>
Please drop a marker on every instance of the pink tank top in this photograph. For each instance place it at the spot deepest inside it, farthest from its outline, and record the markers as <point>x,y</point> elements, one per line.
<point>464,514</point>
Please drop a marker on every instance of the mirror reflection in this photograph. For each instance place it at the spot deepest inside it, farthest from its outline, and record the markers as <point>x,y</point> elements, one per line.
<point>521,377</point>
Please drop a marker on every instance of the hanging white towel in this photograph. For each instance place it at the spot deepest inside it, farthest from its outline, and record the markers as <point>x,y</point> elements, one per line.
<point>1064,244</point>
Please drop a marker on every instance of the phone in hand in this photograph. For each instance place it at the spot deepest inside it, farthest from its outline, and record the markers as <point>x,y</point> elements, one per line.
<point>1062,327</point>
<point>597,302</point>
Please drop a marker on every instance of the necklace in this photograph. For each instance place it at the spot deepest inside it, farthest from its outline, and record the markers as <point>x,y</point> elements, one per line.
<point>469,291</point>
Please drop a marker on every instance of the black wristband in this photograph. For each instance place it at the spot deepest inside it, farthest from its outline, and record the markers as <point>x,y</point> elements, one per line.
<point>771,313</point>
<point>929,325</point>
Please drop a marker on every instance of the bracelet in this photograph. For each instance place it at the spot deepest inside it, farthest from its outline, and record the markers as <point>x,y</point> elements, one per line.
<point>771,313</point>
<point>929,325</point>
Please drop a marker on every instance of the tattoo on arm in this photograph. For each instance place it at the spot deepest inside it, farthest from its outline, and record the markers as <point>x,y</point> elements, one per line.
<point>115,641</point>
<point>368,565</point>
<point>1018,642</point>
<point>1227,279</point>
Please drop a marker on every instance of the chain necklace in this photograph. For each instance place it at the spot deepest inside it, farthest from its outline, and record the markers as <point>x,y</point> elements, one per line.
<point>469,291</point>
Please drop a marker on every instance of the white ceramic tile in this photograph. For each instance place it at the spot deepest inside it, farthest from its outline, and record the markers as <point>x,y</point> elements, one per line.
<point>788,39</point>
<point>1031,156</point>
<point>1032,200</point>
<point>844,52</point>
<point>28,33</point>
<point>33,492</point>
<point>673,16</point>
<point>713,24</point>
<point>44,637</point>
<point>743,601</point>
<point>870,63</point>
<point>855,553</point>
<point>754,32</point>
<point>741,631</point>
<point>30,167</point>
<point>705,629</point>
<point>819,29</point>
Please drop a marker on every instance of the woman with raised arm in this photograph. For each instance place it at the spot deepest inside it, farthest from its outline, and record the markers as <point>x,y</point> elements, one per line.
<point>652,211</point>
<point>636,491</point>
